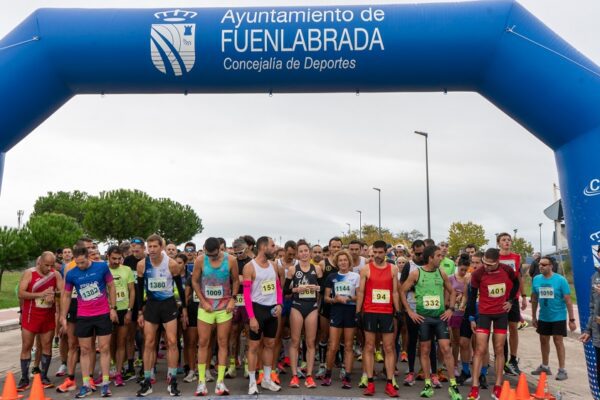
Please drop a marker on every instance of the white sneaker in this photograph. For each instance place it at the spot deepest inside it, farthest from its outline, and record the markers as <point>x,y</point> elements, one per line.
<point>270,385</point>
<point>201,389</point>
<point>190,377</point>
<point>221,389</point>
<point>62,370</point>
<point>252,388</point>
<point>209,377</point>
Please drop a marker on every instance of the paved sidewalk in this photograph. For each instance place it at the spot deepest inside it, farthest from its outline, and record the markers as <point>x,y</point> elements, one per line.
<point>9,319</point>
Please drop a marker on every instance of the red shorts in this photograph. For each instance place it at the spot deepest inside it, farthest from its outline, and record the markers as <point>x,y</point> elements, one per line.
<point>38,323</point>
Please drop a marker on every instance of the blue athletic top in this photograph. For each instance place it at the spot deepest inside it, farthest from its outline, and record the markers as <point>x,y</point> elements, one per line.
<point>158,280</point>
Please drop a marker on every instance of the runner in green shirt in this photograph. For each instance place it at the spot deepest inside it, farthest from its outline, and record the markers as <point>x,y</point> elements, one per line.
<point>447,265</point>
<point>125,288</point>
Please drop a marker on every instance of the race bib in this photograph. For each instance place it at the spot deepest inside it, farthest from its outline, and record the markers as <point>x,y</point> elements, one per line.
<point>239,300</point>
<point>74,293</point>
<point>195,298</point>
<point>157,284</point>
<point>267,287</point>
<point>546,292</point>
<point>497,290</point>
<point>381,296</point>
<point>121,295</point>
<point>431,302</point>
<point>342,289</point>
<point>307,294</point>
<point>214,292</point>
<point>90,292</point>
<point>40,302</point>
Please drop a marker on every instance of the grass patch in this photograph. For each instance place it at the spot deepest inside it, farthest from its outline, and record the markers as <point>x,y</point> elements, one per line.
<point>8,296</point>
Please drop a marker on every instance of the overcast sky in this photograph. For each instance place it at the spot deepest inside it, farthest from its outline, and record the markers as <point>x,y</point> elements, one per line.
<point>313,158</point>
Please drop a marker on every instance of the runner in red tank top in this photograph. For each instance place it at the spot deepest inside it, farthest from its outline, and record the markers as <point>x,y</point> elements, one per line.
<point>377,299</point>
<point>37,290</point>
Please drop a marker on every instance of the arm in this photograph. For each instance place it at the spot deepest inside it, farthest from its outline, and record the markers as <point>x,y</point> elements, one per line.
<point>327,297</point>
<point>452,304</point>
<point>177,271</point>
<point>534,306</point>
<point>287,286</point>
<point>235,282</point>
<point>196,276</point>
<point>395,295</point>
<point>112,295</point>
<point>406,287</point>
<point>360,293</point>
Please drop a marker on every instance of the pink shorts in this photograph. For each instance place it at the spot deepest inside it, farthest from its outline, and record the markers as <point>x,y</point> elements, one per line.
<point>455,321</point>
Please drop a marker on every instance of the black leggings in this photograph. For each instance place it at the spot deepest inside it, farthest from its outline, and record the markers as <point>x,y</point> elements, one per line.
<point>411,349</point>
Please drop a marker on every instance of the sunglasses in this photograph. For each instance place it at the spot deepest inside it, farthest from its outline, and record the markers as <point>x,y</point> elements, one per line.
<point>190,249</point>
<point>137,241</point>
<point>490,264</point>
<point>238,253</point>
<point>545,264</point>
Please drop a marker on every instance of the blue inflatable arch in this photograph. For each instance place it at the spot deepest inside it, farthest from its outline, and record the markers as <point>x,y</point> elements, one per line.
<point>495,48</point>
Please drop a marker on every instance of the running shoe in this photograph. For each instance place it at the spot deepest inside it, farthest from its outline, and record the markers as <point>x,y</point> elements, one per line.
<point>129,375</point>
<point>281,368</point>
<point>295,382</point>
<point>190,377</point>
<point>172,387</point>
<point>370,390</point>
<point>36,370</point>
<point>46,384</point>
<point>474,393</point>
<point>541,369</point>
<point>287,362</point>
<point>364,381</point>
<point>404,357</point>
<point>321,372</point>
<point>346,384</point>
<point>342,373</point>
<point>231,372</point>
<point>326,381</point>
<point>67,386</point>
<point>105,391</point>
<point>409,380</point>
<point>259,380</point>
<point>435,381</point>
<point>497,392</point>
<point>84,391</point>
<point>221,389</point>
<point>275,377</point>
<point>270,385</point>
<point>522,325</point>
<point>390,391</point>
<point>310,382</point>
<point>23,384</point>
<point>442,376</point>
<point>209,377</point>
<point>119,380</point>
<point>427,391</point>
<point>180,370</point>
<point>98,380</point>
<point>55,345</point>
<point>92,385</point>
<point>512,368</point>
<point>462,378</point>
<point>483,384</point>
<point>62,370</point>
<point>561,375</point>
<point>378,356</point>
<point>201,389</point>
<point>252,389</point>
<point>138,362</point>
<point>420,375</point>
<point>112,372</point>
<point>454,393</point>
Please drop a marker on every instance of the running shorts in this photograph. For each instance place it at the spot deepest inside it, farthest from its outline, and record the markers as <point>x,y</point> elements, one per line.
<point>556,328</point>
<point>99,325</point>
<point>343,316</point>
<point>378,323</point>
<point>161,312</point>
<point>485,321</point>
<point>433,328</point>
<point>215,317</point>
<point>267,323</point>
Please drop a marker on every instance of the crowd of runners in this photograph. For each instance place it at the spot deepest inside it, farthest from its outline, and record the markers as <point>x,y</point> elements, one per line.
<point>281,315</point>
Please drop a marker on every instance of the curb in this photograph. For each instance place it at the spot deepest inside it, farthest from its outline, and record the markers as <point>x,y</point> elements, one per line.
<point>10,325</point>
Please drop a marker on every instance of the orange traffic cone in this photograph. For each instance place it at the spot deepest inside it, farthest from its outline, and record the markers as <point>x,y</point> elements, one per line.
<point>512,395</point>
<point>37,390</point>
<point>542,388</point>
<point>523,388</point>
<point>9,392</point>
<point>504,395</point>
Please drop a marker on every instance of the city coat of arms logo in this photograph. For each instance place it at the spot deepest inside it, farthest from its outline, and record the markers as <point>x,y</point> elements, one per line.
<point>172,42</point>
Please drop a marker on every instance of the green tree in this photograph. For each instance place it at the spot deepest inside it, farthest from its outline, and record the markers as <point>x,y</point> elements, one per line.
<point>72,204</point>
<point>461,234</point>
<point>121,214</point>
<point>177,223</point>
<point>50,231</point>
<point>522,247</point>
<point>370,233</point>
<point>14,250</point>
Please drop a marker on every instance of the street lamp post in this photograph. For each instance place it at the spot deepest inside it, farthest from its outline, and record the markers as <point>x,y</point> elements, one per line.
<point>540,225</point>
<point>19,218</point>
<point>359,224</point>
<point>379,193</point>
<point>349,230</point>
<point>426,136</point>
<point>515,231</point>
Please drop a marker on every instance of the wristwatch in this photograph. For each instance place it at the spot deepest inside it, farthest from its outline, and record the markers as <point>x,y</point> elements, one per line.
<point>114,308</point>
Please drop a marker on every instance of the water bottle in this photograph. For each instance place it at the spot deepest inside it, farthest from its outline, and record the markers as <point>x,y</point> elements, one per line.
<point>559,395</point>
